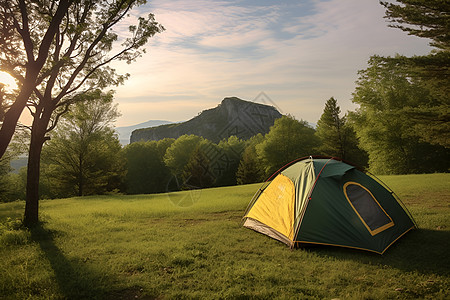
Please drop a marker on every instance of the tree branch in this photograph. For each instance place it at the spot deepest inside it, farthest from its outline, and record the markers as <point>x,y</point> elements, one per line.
<point>97,40</point>
<point>58,116</point>
<point>25,30</point>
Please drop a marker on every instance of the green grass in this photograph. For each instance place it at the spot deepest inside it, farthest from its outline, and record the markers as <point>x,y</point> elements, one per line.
<point>192,245</point>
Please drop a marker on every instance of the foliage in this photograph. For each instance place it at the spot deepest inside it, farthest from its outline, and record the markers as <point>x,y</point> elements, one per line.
<point>197,173</point>
<point>337,137</point>
<point>83,156</point>
<point>163,145</point>
<point>146,171</point>
<point>288,139</point>
<point>231,150</point>
<point>189,162</point>
<point>250,169</point>
<point>200,163</point>
<point>353,152</point>
<point>430,74</point>
<point>384,130</point>
<point>422,18</point>
<point>4,170</point>
<point>428,19</point>
<point>12,186</point>
<point>178,154</point>
<point>143,246</point>
<point>330,130</point>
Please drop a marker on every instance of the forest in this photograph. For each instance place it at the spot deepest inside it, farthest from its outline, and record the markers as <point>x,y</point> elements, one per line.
<point>400,127</point>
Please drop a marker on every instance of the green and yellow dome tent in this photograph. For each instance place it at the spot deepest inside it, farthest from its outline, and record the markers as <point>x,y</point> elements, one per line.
<point>324,200</point>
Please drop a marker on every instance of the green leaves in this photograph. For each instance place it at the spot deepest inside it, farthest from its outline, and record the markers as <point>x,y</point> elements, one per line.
<point>251,169</point>
<point>146,171</point>
<point>287,140</point>
<point>337,137</point>
<point>386,123</point>
<point>83,155</point>
<point>423,18</point>
<point>330,130</point>
<point>178,154</point>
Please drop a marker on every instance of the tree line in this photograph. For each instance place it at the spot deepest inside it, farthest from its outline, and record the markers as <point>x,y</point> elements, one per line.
<point>84,156</point>
<point>59,53</point>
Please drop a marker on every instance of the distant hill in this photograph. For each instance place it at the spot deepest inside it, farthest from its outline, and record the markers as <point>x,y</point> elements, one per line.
<point>233,116</point>
<point>125,132</point>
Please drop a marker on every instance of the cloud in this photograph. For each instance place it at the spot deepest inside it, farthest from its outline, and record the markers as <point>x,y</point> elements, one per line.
<point>300,54</point>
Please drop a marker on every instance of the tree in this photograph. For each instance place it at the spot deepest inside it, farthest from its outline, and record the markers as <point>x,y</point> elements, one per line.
<point>179,153</point>
<point>431,113</point>
<point>353,152</point>
<point>146,171</point>
<point>288,139</point>
<point>427,19</point>
<point>337,136</point>
<point>56,49</point>
<point>163,145</point>
<point>422,18</point>
<point>330,130</point>
<point>197,173</point>
<point>250,169</point>
<point>83,155</point>
<point>384,130</point>
<point>230,153</point>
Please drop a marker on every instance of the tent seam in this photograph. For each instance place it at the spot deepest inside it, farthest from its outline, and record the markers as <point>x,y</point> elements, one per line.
<point>302,214</point>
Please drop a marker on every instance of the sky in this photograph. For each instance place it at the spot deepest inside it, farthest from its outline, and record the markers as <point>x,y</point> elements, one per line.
<point>297,52</point>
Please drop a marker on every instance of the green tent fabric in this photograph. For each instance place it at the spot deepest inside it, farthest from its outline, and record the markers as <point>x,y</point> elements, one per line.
<point>334,203</point>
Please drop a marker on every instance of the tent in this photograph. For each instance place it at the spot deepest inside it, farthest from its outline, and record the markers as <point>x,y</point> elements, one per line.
<point>322,200</point>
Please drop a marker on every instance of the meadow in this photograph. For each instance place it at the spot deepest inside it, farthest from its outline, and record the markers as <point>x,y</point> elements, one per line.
<point>191,245</point>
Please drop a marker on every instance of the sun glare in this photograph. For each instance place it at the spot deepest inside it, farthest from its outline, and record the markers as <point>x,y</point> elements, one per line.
<point>7,80</point>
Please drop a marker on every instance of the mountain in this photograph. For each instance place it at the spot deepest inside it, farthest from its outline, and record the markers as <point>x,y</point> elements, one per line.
<point>125,132</point>
<point>233,116</point>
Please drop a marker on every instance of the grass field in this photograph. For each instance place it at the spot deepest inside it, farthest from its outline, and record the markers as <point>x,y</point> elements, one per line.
<point>190,245</point>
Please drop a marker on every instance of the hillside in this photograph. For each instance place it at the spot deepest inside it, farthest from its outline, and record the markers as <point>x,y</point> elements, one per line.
<point>233,116</point>
<point>125,131</point>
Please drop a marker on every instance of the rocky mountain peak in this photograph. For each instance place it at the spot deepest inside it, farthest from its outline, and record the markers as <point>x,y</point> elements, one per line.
<point>233,116</point>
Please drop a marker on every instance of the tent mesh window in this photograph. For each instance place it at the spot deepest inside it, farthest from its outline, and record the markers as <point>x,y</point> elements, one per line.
<point>373,216</point>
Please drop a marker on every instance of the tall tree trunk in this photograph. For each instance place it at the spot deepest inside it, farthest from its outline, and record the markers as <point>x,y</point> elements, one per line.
<point>33,172</point>
<point>12,115</point>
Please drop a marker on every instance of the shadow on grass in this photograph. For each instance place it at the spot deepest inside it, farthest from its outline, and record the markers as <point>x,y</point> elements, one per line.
<point>74,279</point>
<point>422,250</point>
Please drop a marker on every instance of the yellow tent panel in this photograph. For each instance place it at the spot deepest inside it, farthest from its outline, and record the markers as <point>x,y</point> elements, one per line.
<point>275,206</point>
